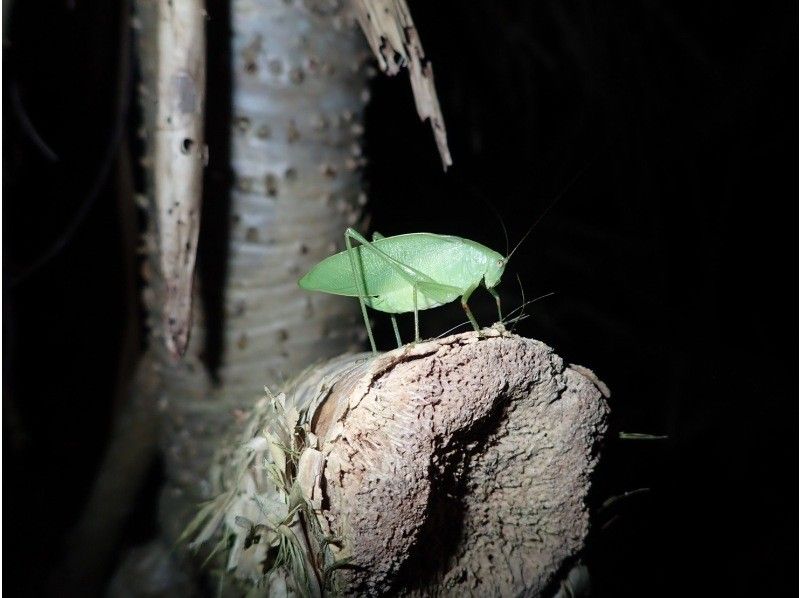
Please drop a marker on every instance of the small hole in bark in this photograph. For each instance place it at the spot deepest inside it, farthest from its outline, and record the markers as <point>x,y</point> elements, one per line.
<point>263,132</point>
<point>252,235</point>
<point>296,75</point>
<point>242,123</point>
<point>186,146</point>
<point>239,309</point>
<point>292,132</point>
<point>290,174</point>
<point>245,184</point>
<point>271,185</point>
<point>250,67</point>
<point>319,122</point>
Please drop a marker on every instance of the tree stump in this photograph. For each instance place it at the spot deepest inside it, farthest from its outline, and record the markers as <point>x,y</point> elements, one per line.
<point>454,466</point>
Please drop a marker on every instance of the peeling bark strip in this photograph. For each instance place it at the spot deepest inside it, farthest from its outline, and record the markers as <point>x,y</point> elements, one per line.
<point>456,466</point>
<point>179,157</point>
<point>393,38</point>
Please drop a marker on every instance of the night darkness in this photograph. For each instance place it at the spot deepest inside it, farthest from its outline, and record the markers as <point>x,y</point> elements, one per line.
<point>669,135</point>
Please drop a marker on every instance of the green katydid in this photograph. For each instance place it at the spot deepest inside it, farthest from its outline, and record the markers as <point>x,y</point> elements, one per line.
<point>407,273</point>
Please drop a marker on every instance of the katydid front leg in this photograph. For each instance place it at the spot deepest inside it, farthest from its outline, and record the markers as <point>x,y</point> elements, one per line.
<point>497,300</point>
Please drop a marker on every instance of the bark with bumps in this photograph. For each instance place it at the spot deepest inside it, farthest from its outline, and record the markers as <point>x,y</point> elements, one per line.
<point>299,84</point>
<point>298,90</point>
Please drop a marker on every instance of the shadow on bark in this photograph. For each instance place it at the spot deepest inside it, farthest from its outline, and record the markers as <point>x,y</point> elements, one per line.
<point>215,231</point>
<point>443,530</point>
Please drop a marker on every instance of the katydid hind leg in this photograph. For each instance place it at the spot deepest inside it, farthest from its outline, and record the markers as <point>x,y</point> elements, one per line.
<point>410,275</point>
<point>418,281</point>
<point>396,331</point>
<point>358,274</point>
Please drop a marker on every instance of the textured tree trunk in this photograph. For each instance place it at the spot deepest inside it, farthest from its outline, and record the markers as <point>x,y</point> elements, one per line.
<point>298,81</point>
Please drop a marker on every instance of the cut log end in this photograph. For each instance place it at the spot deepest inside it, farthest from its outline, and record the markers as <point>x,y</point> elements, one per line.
<point>457,465</point>
<point>460,464</point>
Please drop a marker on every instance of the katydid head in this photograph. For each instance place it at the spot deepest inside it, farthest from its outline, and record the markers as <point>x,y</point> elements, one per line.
<point>494,272</point>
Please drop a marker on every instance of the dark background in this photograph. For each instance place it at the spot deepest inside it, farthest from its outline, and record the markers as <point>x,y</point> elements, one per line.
<point>669,133</point>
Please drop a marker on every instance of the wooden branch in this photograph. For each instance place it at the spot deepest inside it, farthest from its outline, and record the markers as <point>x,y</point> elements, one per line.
<point>394,40</point>
<point>180,154</point>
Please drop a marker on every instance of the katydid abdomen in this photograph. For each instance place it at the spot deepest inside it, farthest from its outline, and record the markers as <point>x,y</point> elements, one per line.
<point>407,273</point>
<point>446,260</point>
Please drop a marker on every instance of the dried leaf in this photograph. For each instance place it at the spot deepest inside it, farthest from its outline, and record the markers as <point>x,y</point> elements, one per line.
<point>309,476</point>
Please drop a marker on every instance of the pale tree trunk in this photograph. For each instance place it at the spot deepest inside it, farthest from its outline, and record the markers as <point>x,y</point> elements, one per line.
<point>298,79</point>
<point>298,88</point>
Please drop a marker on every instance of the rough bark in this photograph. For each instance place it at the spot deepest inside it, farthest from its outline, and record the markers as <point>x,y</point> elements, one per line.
<point>298,89</point>
<point>455,466</point>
